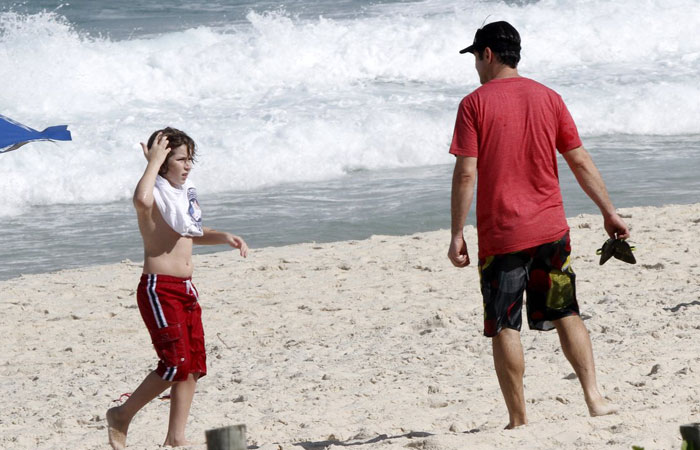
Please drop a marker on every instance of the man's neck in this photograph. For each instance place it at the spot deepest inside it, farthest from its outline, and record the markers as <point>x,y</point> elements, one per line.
<point>504,71</point>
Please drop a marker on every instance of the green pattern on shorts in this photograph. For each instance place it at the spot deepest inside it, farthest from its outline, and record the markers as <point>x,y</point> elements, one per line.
<point>561,294</point>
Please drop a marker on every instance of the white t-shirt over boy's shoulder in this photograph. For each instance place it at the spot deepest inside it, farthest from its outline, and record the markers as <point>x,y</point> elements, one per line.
<point>179,206</point>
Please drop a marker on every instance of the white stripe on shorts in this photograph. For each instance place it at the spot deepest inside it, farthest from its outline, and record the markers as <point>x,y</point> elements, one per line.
<point>155,302</point>
<point>170,373</point>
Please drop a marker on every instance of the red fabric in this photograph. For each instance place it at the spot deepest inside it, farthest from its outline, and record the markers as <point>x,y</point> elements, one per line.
<point>172,314</point>
<point>514,126</point>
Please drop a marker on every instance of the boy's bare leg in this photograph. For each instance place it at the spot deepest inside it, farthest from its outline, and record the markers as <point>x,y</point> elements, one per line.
<point>576,344</point>
<point>510,368</point>
<point>119,417</point>
<point>181,396</point>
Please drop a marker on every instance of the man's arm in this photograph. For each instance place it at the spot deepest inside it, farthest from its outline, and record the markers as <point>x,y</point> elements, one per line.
<point>591,182</point>
<point>463,179</point>
<point>143,194</point>
<point>214,237</point>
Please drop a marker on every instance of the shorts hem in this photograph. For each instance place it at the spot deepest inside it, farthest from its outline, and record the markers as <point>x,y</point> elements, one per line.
<point>558,316</point>
<point>499,331</point>
<point>178,376</point>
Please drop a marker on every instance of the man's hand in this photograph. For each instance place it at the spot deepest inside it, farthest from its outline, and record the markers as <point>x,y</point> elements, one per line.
<point>458,253</point>
<point>238,242</point>
<point>616,227</point>
<point>158,151</point>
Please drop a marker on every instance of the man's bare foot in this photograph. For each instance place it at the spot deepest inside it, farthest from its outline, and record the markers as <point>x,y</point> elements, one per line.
<point>510,426</point>
<point>601,407</point>
<point>116,429</point>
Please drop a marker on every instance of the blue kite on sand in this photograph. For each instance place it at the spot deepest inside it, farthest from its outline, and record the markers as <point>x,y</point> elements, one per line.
<point>13,135</point>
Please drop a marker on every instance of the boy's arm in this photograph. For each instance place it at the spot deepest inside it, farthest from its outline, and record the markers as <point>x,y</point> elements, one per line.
<point>591,182</point>
<point>214,237</point>
<point>143,195</point>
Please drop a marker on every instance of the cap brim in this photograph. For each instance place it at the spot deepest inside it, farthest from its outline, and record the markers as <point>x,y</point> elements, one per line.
<point>469,49</point>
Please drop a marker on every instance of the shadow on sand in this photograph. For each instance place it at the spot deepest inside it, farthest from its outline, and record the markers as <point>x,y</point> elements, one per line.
<point>352,442</point>
<point>318,445</point>
<point>682,305</point>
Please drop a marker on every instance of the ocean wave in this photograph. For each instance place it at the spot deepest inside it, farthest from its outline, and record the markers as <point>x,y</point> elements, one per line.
<point>279,99</point>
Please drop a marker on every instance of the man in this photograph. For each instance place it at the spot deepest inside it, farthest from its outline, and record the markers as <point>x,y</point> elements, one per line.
<point>509,130</point>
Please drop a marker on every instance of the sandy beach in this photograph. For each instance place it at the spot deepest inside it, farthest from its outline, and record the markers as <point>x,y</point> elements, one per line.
<point>373,344</point>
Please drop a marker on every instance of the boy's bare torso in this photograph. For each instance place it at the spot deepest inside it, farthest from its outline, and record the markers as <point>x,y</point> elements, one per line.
<point>165,251</point>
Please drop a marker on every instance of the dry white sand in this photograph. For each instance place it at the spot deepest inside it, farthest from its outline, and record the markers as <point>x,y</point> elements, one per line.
<point>376,343</point>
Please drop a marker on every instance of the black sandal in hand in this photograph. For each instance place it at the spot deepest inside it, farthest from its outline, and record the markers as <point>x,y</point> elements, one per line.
<point>619,248</point>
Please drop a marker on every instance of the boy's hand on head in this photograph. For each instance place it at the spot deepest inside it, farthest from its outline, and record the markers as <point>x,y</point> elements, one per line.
<point>238,242</point>
<point>158,151</point>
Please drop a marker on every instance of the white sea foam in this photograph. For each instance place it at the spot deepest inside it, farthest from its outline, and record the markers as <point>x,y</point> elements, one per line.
<point>281,99</point>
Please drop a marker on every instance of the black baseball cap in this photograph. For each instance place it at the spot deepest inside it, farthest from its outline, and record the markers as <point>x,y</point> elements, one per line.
<point>498,36</point>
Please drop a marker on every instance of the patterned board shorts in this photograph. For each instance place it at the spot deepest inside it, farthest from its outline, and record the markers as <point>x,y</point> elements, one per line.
<point>543,272</point>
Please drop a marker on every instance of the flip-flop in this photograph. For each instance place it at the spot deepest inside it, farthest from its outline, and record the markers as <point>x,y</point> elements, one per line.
<point>126,394</point>
<point>619,248</point>
<point>606,251</point>
<point>623,252</point>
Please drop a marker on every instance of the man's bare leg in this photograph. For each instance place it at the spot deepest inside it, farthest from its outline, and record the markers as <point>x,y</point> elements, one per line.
<point>576,344</point>
<point>119,417</point>
<point>510,368</point>
<point>181,396</point>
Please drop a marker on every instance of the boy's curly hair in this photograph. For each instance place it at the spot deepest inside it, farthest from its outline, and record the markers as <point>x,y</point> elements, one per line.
<point>176,138</point>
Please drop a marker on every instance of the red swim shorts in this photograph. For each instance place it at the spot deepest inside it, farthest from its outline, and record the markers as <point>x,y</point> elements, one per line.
<point>171,312</point>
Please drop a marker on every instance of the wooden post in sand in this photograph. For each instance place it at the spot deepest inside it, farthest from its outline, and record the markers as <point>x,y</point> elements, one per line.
<point>691,436</point>
<point>226,438</point>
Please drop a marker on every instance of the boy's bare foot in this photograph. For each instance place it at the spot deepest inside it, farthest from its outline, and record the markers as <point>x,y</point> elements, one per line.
<point>601,407</point>
<point>177,443</point>
<point>116,429</point>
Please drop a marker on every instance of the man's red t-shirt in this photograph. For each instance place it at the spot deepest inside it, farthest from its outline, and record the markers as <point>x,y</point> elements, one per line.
<point>514,127</point>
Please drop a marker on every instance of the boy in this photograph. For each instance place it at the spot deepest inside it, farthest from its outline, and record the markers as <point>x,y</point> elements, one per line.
<point>170,223</point>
